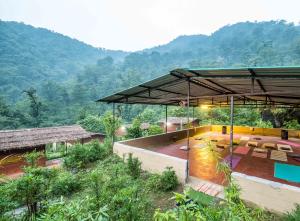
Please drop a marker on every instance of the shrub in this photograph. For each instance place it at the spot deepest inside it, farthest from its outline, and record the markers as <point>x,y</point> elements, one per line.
<point>81,155</point>
<point>32,158</point>
<point>30,189</point>
<point>129,203</point>
<point>153,182</point>
<point>165,182</point>
<point>168,180</point>
<point>6,203</point>
<point>78,209</point>
<point>77,157</point>
<point>134,131</point>
<point>154,129</point>
<point>294,215</point>
<point>65,184</point>
<point>134,166</point>
<point>263,124</point>
<point>293,124</point>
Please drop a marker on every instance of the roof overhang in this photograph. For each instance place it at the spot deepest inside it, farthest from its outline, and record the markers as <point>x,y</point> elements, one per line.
<point>249,86</point>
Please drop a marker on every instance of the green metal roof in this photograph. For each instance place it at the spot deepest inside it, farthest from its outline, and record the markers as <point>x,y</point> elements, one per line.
<point>251,85</point>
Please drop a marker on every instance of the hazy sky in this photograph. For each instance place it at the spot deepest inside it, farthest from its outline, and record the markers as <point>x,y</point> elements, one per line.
<point>137,24</point>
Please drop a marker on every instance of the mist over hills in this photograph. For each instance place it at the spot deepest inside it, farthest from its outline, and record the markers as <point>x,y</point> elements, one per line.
<point>70,75</point>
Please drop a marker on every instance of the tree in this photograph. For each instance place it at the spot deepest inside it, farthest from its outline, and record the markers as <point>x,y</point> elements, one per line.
<point>92,123</point>
<point>35,106</point>
<point>111,124</point>
<point>134,131</point>
<point>153,130</point>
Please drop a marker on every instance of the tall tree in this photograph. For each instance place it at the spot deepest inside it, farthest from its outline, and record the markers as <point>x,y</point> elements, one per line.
<point>35,106</point>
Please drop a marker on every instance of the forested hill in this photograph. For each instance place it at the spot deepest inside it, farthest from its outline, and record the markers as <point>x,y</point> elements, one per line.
<point>29,56</point>
<point>69,76</point>
<point>246,43</point>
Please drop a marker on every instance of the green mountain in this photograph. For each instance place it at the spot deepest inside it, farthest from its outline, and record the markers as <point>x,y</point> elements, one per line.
<point>246,43</point>
<point>29,56</point>
<point>67,76</point>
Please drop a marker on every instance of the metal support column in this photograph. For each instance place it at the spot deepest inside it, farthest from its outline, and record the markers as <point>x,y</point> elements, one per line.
<point>114,124</point>
<point>231,128</point>
<point>193,118</point>
<point>166,121</point>
<point>188,129</point>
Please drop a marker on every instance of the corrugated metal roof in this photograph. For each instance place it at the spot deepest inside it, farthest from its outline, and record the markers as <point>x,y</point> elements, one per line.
<point>272,85</point>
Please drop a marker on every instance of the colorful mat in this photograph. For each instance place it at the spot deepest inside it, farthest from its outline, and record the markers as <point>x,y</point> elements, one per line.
<point>285,148</point>
<point>245,138</point>
<point>242,150</point>
<point>294,144</point>
<point>260,155</point>
<point>287,172</point>
<point>235,160</point>
<point>278,155</point>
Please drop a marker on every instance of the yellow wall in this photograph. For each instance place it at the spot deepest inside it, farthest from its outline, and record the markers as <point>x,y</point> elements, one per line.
<point>256,131</point>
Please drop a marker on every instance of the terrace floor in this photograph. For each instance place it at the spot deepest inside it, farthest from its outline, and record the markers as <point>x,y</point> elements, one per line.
<point>203,163</point>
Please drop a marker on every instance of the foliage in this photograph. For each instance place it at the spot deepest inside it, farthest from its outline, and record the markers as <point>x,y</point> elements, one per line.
<point>32,188</point>
<point>76,210</point>
<point>134,131</point>
<point>134,166</point>
<point>35,106</point>
<point>80,155</point>
<point>168,180</point>
<point>149,115</point>
<point>293,124</point>
<point>57,152</point>
<point>73,75</point>
<point>199,206</point>
<point>294,215</point>
<point>153,182</point>
<point>154,130</point>
<point>92,123</point>
<point>263,124</point>
<point>6,202</point>
<point>65,184</point>
<point>32,158</point>
<point>111,124</point>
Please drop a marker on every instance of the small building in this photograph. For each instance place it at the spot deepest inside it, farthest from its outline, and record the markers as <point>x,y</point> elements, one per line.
<point>15,143</point>
<point>177,123</point>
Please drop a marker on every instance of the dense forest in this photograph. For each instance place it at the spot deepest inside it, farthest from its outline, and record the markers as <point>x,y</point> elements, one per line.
<point>50,79</point>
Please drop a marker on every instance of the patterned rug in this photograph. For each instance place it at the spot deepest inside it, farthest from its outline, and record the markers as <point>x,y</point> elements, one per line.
<point>242,150</point>
<point>278,155</point>
<point>260,155</point>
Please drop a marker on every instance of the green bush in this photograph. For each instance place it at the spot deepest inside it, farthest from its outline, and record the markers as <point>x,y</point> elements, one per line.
<point>77,157</point>
<point>78,209</point>
<point>134,166</point>
<point>80,156</point>
<point>33,157</point>
<point>294,215</point>
<point>168,180</point>
<point>134,131</point>
<point>293,124</point>
<point>153,182</point>
<point>6,203</point>
<point>65,184</point>
<point>154,129</point>
<point>129,203</point>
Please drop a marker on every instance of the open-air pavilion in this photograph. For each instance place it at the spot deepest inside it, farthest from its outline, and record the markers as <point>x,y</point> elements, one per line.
<point>259,157</point>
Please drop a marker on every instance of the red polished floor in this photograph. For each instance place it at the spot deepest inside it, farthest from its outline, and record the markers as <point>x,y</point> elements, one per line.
<point>203,163</point>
